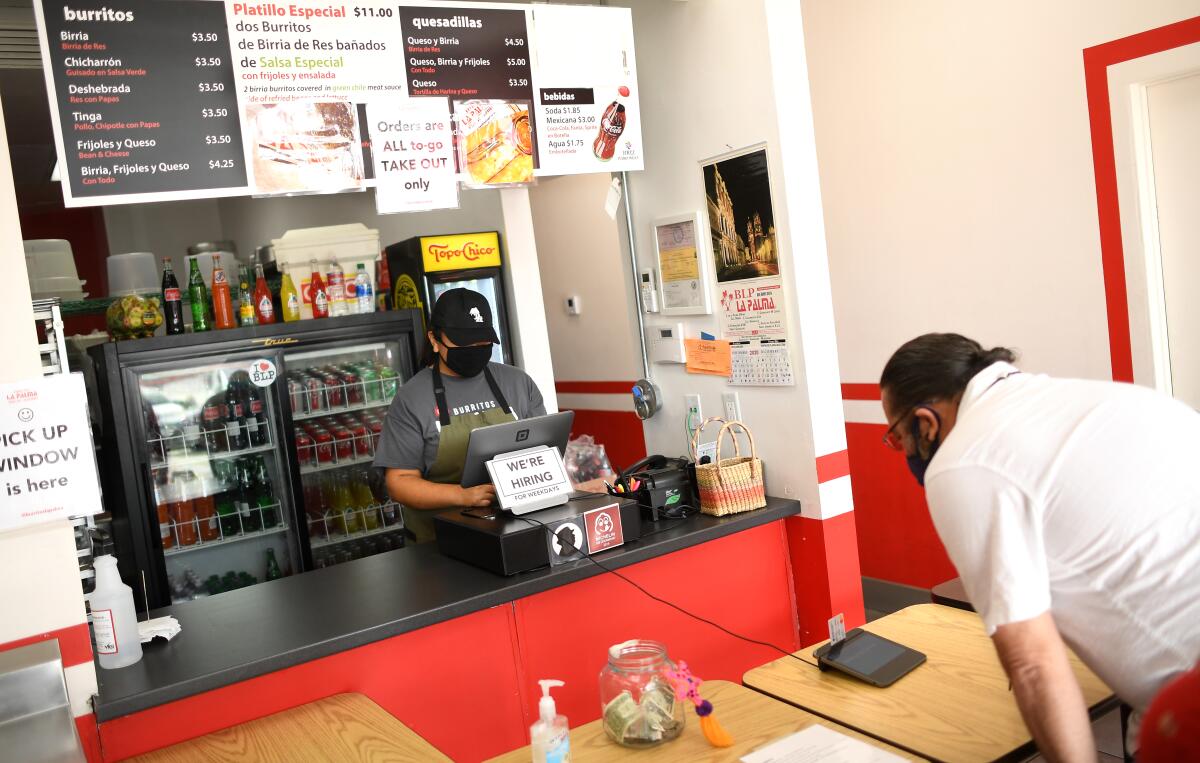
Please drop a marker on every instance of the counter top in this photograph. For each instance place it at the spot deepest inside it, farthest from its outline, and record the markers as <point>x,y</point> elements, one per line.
<point>249,632</point>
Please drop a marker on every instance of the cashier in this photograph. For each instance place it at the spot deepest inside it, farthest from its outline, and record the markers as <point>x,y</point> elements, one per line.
<point>424,441</point>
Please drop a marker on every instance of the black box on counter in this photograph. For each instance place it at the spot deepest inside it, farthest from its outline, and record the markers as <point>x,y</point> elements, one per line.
<point>506,544</point>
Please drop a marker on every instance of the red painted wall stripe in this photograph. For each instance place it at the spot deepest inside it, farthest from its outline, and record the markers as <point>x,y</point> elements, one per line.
<point>860,391</point>
<point>74,642</point>
<point>1096,61</point>
<point>89,737</point>
<point>593,387</point>
<point>833,465</point>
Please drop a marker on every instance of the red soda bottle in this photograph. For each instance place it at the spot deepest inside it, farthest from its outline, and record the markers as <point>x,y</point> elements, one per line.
<point>264,309</point>
<point>320,297</point>
<point>612,124</point>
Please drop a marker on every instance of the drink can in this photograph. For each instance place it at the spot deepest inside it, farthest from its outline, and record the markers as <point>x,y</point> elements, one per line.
<point>370,380</point>
<point>390,381</point>
<point>376,428</point>
<point>335,391</point>
<point>354,390</point>
<point>316,393</point>
<point>323,442</point>
<point>305,448</point>
<point>296,394</point>
<point>343,443</point>
<point>362,440</point>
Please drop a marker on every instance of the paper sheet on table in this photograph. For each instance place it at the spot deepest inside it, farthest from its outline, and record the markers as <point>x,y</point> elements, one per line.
<point>708,356</point>
<point>818,743</point>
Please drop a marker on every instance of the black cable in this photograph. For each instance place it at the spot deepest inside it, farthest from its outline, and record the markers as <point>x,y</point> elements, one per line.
<point>672,605</point>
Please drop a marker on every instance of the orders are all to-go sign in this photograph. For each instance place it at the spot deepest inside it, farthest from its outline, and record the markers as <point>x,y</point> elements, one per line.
<point>412,145</point>
<point>47,462</point>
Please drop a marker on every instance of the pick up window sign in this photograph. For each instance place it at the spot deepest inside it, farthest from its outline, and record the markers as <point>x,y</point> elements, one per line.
<point>47,461</point>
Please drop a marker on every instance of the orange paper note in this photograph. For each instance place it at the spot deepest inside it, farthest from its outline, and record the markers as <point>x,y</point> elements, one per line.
<point>708,356</point>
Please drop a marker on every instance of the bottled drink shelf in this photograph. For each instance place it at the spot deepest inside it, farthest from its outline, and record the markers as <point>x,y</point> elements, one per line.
<point>301,416</point>
<point>176,533</point>
<point>338,464</point>
<point>224,541</point>
<point>332,528</point>
<point>191,457</point>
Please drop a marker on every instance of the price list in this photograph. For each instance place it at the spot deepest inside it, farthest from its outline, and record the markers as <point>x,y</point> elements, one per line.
<point>466,53</point>
<point>145,97</point>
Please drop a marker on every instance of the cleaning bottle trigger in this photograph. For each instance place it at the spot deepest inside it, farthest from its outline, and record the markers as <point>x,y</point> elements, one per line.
<point>546,707</point>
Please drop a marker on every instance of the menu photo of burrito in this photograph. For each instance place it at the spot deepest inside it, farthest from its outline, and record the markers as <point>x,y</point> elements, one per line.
<point>304,146</point>
<point>495,142</point>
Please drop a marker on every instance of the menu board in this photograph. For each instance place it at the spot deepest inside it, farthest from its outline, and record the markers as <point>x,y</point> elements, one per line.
<point>156,101</point>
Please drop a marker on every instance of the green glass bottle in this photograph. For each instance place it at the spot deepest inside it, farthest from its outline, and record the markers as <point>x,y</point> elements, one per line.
<point>198,294</point>
<point>273,571</point>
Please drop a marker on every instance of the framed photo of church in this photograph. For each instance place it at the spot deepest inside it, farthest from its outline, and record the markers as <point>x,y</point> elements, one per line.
<point>741,217</point>
<point>683,278</point>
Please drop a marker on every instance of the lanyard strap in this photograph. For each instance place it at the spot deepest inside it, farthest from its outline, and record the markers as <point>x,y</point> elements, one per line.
<point>439,394</point>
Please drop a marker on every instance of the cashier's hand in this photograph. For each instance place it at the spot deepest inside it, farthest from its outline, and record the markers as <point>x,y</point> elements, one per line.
<point>479,496</point>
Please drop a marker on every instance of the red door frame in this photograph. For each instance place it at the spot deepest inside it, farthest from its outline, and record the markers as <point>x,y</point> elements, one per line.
<point>1096,61</point>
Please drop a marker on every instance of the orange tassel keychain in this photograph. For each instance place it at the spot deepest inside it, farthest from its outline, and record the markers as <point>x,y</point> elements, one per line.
<point>687,686</point>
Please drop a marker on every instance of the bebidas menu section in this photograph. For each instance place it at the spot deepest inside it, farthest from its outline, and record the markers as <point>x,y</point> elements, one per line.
<point>145,101</point>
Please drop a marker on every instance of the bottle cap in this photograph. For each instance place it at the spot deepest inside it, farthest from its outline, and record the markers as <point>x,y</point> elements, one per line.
<point>546,708</point>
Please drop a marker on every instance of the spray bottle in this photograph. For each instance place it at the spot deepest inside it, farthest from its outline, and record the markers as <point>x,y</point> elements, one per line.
<point>549,737</point>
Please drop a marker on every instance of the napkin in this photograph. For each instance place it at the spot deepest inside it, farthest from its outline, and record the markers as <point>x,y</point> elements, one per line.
<point>167,627</point>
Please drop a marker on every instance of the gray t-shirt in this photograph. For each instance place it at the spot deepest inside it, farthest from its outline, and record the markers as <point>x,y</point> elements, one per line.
<point>410,434</point>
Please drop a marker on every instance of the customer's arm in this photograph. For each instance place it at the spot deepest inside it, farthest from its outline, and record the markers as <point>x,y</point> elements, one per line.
<point>1035,658</point>
<point>408,487</point>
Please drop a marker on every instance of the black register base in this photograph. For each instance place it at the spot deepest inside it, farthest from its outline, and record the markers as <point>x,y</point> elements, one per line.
<point>507,544</point>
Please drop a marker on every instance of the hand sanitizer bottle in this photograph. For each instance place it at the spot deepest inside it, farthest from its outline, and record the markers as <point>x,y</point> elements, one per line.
<point>549,737</point>
<point>114,620</point>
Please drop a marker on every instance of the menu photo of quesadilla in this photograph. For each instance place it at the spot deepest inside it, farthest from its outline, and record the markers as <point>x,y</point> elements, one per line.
<point>305,146</point>
<point>495,142</point>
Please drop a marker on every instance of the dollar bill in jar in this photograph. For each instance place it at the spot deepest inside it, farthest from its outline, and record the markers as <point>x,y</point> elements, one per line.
<point>620,714</point>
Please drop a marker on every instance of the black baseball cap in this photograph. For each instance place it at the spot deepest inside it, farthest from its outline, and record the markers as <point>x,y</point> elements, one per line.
<point>465,317</point>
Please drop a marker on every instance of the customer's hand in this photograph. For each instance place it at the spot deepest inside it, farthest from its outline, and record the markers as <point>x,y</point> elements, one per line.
<point>478,496</point>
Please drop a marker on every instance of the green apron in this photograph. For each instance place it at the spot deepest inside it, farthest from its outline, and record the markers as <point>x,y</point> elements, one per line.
<point>454,432</point>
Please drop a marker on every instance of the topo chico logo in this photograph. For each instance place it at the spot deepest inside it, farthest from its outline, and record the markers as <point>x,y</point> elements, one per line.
<point>469,252</point>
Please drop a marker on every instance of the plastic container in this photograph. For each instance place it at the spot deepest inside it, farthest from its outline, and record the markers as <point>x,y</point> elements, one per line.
<point>114,619</point>
<point>352,244</point>
<point>133,273</point>
<point>50,266</point>
<point>637,700</point>
<point>549,739</point>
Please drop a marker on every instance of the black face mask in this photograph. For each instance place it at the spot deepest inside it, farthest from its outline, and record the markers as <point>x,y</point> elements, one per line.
<point>917,463</point>
<point>468,361</point>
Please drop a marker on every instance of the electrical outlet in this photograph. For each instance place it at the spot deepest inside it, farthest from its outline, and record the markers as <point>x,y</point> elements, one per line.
<point>691,404</point>
<point>733,406</point>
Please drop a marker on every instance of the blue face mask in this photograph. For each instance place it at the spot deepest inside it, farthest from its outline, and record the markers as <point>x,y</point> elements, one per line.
<point>917,464</point>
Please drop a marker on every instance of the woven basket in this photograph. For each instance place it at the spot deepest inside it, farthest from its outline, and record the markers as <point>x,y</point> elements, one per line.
<point>731,485</point>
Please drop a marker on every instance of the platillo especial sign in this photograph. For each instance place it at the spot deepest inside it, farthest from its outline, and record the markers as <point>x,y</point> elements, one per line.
<point>47,461</point>
<point>158,101</point>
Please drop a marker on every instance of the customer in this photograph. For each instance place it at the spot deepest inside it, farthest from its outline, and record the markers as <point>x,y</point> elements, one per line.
<point>1072,512</point>
<point>424,444</point>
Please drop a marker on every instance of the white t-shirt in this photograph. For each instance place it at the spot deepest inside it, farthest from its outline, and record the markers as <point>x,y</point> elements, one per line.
<point>1083,498</point>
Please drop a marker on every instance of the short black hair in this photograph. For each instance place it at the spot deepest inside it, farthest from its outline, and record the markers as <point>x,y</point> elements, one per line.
<point>936,367</point>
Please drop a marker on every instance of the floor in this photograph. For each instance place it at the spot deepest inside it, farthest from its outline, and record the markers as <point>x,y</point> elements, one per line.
<point>881,598</point>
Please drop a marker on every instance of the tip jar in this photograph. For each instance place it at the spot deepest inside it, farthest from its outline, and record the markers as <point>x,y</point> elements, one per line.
<point>637,699</point>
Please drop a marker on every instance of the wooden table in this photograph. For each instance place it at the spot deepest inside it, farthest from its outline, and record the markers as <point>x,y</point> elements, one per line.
<point>344,728</point>
<point>955,707</point>
<point>951,594</point>
<point>753,719</point>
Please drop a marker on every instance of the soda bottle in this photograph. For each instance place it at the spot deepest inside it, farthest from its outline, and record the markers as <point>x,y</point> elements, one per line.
<point>256,417</point>
<point>206,511</point>
<point>235,419</point>
<point>336,289</point>
<point>172,299</point>
<point>365,501</point>
<point>316,288</point>
<point>264,310</point>
<point>214,428</point>
<point>246,314</point>
<point>273,572</point>
<point>222,301</point>
<point>198,294</point>
<point>246,499</point>
<point>612,124</point>
<point>265,495</point>
<point>364,296</point>
<point>166,497</point>
<point>290,298</point>
<point>383,294</point>
<point>183,511</point>
<point>227,514</point>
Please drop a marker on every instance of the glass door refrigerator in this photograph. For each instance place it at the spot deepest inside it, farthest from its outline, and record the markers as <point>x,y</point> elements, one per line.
<point>422,268</point>
<point>238,456</point>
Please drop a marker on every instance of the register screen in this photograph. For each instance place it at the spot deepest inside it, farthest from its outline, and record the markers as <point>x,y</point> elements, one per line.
<point>866,653</point>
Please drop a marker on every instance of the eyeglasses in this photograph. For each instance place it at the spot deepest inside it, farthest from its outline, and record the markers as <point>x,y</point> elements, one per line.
<point>891,438</point>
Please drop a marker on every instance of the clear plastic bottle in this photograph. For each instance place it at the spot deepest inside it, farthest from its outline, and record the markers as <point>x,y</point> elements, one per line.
<point>363,291</point>
<point>549,739</point>
<point>336,289</point>
<point>114,619</point>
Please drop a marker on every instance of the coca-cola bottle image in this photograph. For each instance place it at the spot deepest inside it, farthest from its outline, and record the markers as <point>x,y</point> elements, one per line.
<point>612,124</point>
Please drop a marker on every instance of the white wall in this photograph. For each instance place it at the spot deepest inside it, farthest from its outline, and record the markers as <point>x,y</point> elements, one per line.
<point>580,253</point>
<point>1174,108</point>
<point>957,176</point>
<point>710,72</point>
<point>166,228</point>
